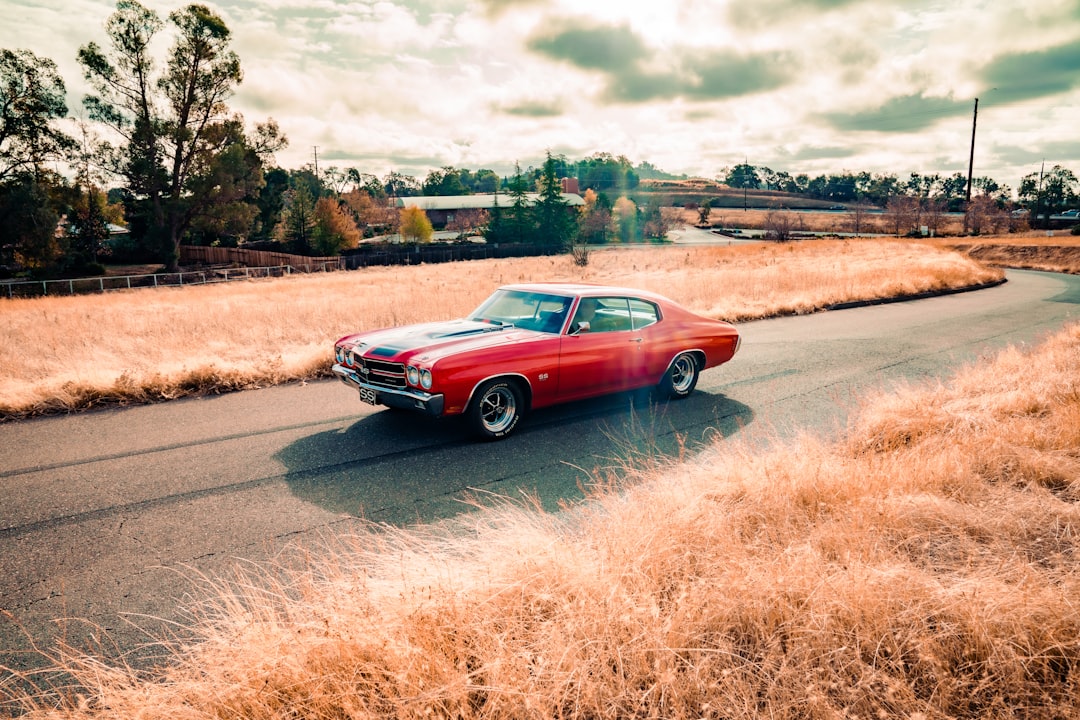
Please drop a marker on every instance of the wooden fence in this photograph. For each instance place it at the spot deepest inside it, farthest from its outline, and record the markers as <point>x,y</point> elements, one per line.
<point>363,256</point>
<point>220,266</point>
<point>82,286</point>
<point>199,255</point>
<point>430,253</point>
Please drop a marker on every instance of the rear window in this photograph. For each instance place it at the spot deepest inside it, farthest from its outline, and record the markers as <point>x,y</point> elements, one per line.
<point>643,313</point>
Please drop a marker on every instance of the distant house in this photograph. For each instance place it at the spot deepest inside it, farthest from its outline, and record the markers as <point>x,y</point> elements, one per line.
<point>64,227</point>
<point>440,209</point>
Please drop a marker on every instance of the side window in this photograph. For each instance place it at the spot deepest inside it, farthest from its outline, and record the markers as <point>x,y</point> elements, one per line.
<point>606,314</point>
<point>616,314</point>
<point>643,313</point>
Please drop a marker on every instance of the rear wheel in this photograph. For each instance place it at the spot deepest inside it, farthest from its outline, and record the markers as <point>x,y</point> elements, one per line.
<point>496,409</point>
<point>681,378</point>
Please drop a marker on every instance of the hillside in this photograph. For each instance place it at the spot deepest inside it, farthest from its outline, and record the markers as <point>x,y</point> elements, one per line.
<point>692,192</point>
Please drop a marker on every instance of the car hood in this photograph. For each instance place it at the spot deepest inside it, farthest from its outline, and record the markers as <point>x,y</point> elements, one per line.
<point>430,341</point>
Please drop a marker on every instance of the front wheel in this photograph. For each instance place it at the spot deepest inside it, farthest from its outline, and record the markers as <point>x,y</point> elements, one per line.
<point>681,378</point>
<point>496,409</point>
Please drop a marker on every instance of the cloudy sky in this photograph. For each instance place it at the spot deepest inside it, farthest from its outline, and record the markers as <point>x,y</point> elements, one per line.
<point>691,86</point>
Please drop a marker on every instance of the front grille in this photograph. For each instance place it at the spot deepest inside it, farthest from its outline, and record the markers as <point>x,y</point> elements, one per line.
<point>378,372</point>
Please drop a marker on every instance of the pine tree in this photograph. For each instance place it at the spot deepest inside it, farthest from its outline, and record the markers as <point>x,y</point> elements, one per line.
<point>518,224</point>
<point>298,219</point>
<point>555,227</point>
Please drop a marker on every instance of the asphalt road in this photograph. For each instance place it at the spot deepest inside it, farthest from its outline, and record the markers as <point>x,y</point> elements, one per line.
<point>107,516</point>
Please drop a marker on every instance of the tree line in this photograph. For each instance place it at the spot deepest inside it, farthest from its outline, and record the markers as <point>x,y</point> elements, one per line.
<point>1043,193</point>
<point>164,157</point>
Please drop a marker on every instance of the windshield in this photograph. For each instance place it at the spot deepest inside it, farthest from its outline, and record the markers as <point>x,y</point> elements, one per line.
<point>529,310</point>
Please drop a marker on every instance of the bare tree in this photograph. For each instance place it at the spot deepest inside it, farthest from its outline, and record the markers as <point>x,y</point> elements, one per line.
<point>902,212</point>
<point>934,214</point>
<point>467,222</point>
<point>984,215</point>
<point>780,225</point>
<point>857,219</point>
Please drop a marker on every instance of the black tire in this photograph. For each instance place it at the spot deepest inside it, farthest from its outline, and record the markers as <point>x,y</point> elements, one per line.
<point>496,409</point>
<point>680,379</point>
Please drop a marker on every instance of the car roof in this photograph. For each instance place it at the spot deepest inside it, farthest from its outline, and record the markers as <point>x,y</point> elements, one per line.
<point>582,289</point>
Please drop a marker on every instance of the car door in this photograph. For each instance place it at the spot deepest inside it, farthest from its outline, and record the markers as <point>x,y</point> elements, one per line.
<point>607,357</point>
<point>657,347</point>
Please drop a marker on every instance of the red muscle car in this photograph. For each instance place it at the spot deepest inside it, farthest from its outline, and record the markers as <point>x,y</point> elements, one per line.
<point>533,345</point>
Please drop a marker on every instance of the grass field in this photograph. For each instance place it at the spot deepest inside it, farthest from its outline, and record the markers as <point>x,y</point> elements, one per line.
<point>922,566</point>
<point>1033,251</point>
<point>874,223</point>
<point>67,353</point>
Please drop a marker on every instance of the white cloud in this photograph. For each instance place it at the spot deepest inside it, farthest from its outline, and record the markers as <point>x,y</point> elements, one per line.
<point>414,84</point>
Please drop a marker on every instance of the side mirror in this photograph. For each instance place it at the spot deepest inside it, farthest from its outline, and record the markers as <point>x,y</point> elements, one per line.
<point>581,327</point>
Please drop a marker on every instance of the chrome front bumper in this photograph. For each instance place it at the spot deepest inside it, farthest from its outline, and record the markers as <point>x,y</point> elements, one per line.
<point>405,398</point>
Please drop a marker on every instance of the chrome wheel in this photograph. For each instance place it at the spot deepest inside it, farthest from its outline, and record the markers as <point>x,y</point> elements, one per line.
<point>683,374</point>
<point>681,377</point>
<point>496,409</point>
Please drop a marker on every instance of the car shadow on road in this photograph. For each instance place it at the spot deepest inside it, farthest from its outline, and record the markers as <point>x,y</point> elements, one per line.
<point>400,468</point>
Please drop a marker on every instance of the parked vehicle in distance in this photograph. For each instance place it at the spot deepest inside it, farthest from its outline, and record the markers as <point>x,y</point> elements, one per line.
<point>531,346</point>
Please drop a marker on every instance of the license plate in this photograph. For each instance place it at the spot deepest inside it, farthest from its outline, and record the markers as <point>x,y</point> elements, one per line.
<point>367,395</point>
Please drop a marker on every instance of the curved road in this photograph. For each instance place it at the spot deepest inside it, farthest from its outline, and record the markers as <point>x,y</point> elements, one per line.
<point>106,515</point>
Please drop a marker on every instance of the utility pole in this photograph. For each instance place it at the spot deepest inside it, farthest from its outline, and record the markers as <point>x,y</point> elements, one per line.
<point>316,148</point>
<point>971,166</point>
<point>971,157</point>
<point>745,163</point>
<point>1039,195</point>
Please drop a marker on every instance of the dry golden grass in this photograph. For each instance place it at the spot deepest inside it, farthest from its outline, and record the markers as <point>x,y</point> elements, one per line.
<point>1028,238</point>
<point>1037,250</point>
<point>1059,259</point>
<point>813,222</point>
<point>64,353</point>
<point>924,566</point>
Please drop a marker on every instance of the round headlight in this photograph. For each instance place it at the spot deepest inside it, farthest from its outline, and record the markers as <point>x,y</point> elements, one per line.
<point>340,354</point>
<point>412,375</point>
<point>425,379</point>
